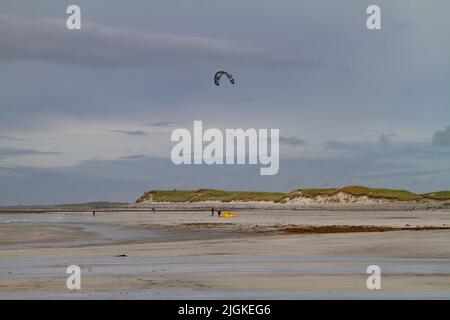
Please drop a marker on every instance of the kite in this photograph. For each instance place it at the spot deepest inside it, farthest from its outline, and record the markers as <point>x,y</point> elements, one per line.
<point>219,75</point>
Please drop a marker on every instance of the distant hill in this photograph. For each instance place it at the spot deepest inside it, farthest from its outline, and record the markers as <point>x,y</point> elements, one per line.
<point>95,204</point>
<point>348,194</point>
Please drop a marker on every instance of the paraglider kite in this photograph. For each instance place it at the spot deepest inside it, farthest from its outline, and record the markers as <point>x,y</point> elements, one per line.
<point>219,74</point>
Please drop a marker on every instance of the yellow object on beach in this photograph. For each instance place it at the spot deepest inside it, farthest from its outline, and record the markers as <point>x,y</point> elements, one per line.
<point>228,214</point>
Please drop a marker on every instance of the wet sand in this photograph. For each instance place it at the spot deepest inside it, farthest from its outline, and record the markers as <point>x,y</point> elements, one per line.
<point>190,254</point>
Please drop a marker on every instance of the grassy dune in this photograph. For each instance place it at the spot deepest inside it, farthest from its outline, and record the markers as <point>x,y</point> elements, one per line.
<point>209,195</point>
<point>227,196</point>
<point>439,195</point>
<point>393,194</point>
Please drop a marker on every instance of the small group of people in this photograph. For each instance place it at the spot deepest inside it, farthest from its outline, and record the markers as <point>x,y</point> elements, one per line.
<point>219,212</point>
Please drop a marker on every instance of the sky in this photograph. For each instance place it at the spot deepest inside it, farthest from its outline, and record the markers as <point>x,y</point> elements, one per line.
<point>86,115</point>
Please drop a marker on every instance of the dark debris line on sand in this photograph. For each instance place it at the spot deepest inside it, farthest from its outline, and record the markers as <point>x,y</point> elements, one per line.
<point>348,229</point>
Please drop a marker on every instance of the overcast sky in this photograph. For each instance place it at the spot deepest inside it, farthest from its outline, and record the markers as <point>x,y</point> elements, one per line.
<point>86,115</point>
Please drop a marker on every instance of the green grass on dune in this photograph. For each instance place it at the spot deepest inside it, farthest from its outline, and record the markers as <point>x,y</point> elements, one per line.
<point>403,195</point>
<point>228,196</point>
<point>209,195</point>
<point>439,195</point>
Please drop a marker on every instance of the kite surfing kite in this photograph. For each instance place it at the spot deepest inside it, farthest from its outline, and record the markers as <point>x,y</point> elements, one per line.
<point>219,75</point>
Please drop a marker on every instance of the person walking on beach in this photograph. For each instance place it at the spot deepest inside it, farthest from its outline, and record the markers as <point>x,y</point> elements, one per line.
<point>212,212</point>
<point>219,212</point>
<point>93,214</point>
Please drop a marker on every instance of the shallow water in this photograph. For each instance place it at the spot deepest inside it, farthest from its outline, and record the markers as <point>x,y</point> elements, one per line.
<point>105,229</point>
<point>228,264</point>
<point>103,232</point>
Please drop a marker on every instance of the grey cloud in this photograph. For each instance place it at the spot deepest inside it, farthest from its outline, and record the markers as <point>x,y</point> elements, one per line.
<point>12,152</point>
<point>11,138</point>
<point>338,145</point>
<point>137,156</point>
<point>292,141</point>
<point>400,150</point>
<point>99,45</point>
<point>131,133</point>
<point>442,138</point>
<point>373,147</point>
<point>399,174</point>
<point>164,124</point>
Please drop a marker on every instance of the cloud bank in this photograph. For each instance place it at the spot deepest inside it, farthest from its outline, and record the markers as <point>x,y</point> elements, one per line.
<point>96,45</point>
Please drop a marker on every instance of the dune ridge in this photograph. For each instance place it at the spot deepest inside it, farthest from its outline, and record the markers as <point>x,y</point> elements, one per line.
<point>348,194</point>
